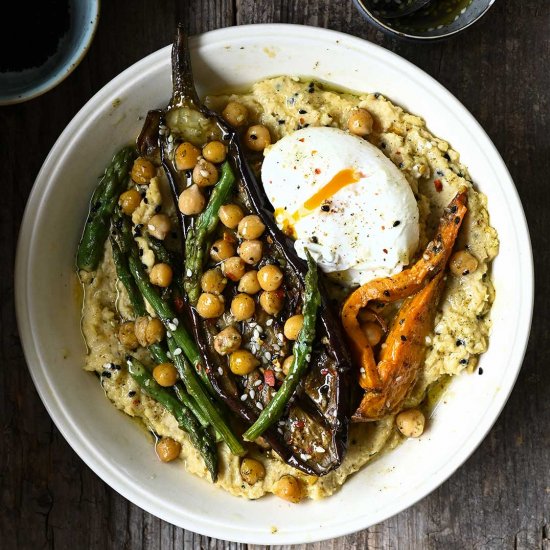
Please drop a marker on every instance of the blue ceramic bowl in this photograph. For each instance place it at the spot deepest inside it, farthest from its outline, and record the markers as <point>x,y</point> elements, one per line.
<point>19,86</point>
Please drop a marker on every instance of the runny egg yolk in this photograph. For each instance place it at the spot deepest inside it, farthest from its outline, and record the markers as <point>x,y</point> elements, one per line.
<point>341,179</point>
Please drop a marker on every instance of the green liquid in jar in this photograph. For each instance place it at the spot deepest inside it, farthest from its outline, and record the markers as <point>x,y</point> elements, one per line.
<point>437,14</point>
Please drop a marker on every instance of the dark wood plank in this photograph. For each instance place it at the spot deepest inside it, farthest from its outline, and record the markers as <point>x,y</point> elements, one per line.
<point>501,497</point>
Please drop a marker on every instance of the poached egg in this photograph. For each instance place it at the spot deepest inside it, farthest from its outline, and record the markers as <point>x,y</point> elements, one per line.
<point>338,196</point>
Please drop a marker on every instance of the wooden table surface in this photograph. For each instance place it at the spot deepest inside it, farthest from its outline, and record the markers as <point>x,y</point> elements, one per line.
<point>501,497</point>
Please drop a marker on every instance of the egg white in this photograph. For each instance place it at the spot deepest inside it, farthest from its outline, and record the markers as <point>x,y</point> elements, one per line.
<point>362,229</point>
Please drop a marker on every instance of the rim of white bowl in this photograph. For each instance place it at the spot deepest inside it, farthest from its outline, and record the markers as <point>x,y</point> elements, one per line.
<point>115,478</point>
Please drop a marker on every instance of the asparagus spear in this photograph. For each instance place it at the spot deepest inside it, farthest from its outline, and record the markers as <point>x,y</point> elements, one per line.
<point>197,236</point>
<point>195,389</point>
<point>301,352</point>
<point>182,340</point>
<point>104,200</point>
<point>186,421</point>
<point>156,350</point>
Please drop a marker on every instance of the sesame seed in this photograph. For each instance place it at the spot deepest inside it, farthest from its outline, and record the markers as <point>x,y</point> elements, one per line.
<point>257,383</point>
<point>244,397</point>
<point>259,405</point>
<point>280,431</point>
<point>269,322</point>
<point>252,394</point>
<point>220,371</point>
<point>168,334</point>
<point>176,321</point>
<point>189,273</point>
<point>172,327</point>
<point>267,355</point>
<point>177,351</point>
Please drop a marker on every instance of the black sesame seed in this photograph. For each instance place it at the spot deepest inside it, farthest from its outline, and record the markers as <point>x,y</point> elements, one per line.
<point>403,338</point>
<point>106,374</point>
<point>157,208</point>
<point>401,165</point>
<point>302,111</point>
<point>457,220</point>
<point>464,361</point>
<point>466,272</point>
<point>131,393</point>
<point>325,207</point>
<point>253,137</point>
<point>446,156</point>
<point>145,200</point>
<point>459,342</point>
<point>386,293</point>
<point>396,223</point>
<point>376,95</point>
<point>480,370</point>
<point>382,145</point>
<point>454,208</point>
<point>281,121</point>
<point>140,252</point>
<point>314,239</point>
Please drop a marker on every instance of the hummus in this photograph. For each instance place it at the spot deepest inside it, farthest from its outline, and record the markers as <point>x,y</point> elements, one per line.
<point>462,326</point>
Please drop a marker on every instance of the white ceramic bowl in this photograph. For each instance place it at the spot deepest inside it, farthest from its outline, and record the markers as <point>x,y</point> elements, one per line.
<point>48,312</point>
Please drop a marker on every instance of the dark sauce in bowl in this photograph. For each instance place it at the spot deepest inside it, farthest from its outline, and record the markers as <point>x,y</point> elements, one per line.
<point>32,34</point>
<point>436,15</point>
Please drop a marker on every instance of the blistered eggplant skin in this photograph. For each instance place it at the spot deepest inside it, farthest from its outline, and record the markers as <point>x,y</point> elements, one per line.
<point>312,436</point>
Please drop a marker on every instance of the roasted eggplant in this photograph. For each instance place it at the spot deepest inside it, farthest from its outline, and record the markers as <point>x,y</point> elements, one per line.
<point>312,433</point>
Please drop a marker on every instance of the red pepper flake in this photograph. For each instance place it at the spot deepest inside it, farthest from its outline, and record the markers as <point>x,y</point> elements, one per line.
<point>324,372</point>
<point>317,170</point>
<point>269,377</point>
<point>136,401</point>
<point>179,304</point>
<point>301,139</point>
<point>299,424</point>
<point>438,185</point>
<point>385,250</point>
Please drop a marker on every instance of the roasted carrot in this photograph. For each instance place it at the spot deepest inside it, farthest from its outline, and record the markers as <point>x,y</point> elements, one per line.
<point>376,378</point>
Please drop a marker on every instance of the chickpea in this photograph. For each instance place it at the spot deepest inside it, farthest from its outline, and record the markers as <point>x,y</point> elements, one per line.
<point>221,250</point>
<point>411,422</point>
<point>249,282</point>
<point>250,251</point>
<point>161,275</point>
<point>270,277</point>
<point>213,281</point>
<point>287,363</point>
<point>271,301</point>
<point>242,362</point>
<point>243,307</point>
<point>251,227</point>
<point>257,137</point>
<point>373,332</point>
<point>186,156</point>
<point>215,151</point>
<point>191,201</point>
<point>252,471</point>
<point>289,488</point>
<point>167,449</point>
<point>148,331</point>
<point>235,113</point>
<point>165,374</point>
<point>159,226</point>
<point>231,215</point>
<point>234,268</point>
<point>360,122</point>
<point>293,326</point>
<point>129,201</point>
<point>227,341</point>
<point>127,336</point>
<point>462,263</point>
<point>143,170</point>
<point>205,173</point>
<point>155,331</point>
<point>209,306</point>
